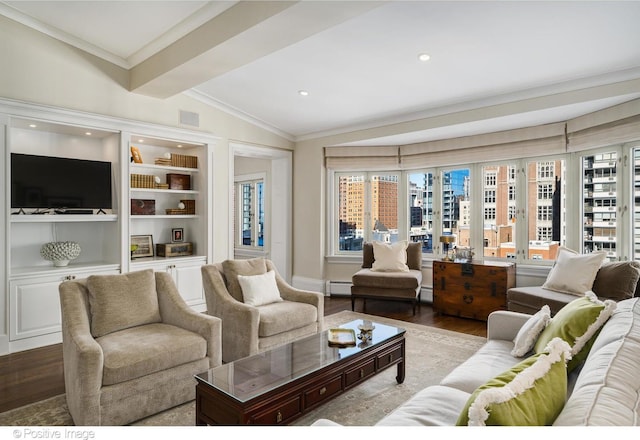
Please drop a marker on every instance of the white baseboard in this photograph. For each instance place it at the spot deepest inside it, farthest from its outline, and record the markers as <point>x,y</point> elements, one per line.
<point>305,283</point>
<point>4,345</point>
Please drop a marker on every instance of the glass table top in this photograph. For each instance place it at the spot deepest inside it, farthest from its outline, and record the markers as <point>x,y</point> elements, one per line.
<point>252,376</point>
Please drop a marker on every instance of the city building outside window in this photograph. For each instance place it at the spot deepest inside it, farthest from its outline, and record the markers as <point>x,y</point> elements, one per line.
<point>249,218</point>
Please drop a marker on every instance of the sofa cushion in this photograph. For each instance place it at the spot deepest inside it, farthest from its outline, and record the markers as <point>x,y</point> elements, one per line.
<point>283,316</point>
<point>574,273</point>
<point>528,334</point>
<point>258,290</point>
<point>433,406</point>
<point>387,280</point>
<point>119,302</point>
<point>233,268</point>
<point>139,351</point>
<point>617,280</point>
<point>490,360</point>
<point>607,391</point>
<point>532,393</point>
<point>578,323</point>
<point>390,257</point>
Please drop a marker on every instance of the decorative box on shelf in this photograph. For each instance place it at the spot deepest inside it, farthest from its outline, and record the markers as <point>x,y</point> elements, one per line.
<point>143,207</point>
<point>179,181</point>
<point>174,249</point>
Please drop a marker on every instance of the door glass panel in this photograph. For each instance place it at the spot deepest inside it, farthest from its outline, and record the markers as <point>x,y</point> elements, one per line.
<point>455,209</point>
<point>599,193</point>
<point>384,208</point>
<point>499,211</point>
<point>351,193</point>
<point>546,208</point>
<point>421,210</point>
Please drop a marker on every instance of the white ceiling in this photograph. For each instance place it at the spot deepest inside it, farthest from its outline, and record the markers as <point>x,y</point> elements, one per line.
<point>494,65</point>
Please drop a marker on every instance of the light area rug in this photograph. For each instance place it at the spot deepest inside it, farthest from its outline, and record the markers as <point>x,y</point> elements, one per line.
<point>431,354</point>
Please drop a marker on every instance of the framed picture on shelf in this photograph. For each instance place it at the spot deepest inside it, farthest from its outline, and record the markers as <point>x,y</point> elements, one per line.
<point>141,246</point>
<point>177,235</point>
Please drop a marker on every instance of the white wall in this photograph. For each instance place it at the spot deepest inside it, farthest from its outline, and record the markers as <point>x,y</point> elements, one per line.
<point>41,70</point>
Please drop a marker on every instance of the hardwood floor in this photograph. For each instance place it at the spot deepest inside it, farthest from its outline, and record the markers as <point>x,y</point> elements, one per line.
<point>33,375</point>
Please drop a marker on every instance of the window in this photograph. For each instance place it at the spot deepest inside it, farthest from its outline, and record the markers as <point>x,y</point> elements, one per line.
<point>249,229</point>
<point>420,206</point>
<point>545,208</point>
<point>489,196</point>
<point>489,213</point>
<point>367,208</point>
<point>600,198</point>
<point>499,210</point>
<point>455,196</point>
<point>522,213</point>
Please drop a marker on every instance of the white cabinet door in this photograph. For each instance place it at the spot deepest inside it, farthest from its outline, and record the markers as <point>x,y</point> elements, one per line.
<point>35,304</point>
<point>186,275</point>
<point>189,282</point>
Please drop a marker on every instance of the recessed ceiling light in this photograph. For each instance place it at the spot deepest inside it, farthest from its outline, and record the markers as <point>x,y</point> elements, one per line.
<point>424,57</point>
<point>303,93</point>
<point>32,125</point>
<point>179,146</point>
<point>88,133</point>
<point>141,140</point>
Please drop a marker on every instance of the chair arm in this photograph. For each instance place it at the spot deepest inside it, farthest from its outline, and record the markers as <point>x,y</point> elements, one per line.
<point>504,325</point>
<point>240,321</point>
<point>175,311</point>
<point>83,357</point>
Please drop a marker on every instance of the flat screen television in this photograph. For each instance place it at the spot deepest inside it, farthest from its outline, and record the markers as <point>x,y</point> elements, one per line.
<point>46,182</point>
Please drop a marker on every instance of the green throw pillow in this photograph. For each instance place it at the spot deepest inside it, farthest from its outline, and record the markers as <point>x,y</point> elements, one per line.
<point>578,323</point>
<point>532,393</point>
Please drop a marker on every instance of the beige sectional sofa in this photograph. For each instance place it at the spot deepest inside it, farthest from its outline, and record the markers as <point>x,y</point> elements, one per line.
<point>614,280</point>
<point>604,390</point>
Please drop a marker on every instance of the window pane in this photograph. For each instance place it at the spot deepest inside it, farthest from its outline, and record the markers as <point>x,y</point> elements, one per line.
<point>456,218</point>
<point>260,201</point>
<point>246,213</point>
<point>636,203</point>
<point>384,208</point>
<point>351,212</point>
<point>545,210</point>
<point>421,210</point>
<point>499,211</point>
<point>599,196</point>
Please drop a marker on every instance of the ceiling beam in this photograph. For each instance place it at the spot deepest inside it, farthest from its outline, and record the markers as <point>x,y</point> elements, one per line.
<point>243,33</point>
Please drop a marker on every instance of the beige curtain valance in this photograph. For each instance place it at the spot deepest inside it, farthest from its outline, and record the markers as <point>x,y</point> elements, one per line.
<point>614,125</point>
<point>361,158</point>
<point>511,144</point>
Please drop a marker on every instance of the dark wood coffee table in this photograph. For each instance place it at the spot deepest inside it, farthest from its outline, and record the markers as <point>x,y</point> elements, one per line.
<point>280,385</point>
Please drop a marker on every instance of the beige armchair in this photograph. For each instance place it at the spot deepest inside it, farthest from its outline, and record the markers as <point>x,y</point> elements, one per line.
<point>131,346</point>
<point>249,329</point>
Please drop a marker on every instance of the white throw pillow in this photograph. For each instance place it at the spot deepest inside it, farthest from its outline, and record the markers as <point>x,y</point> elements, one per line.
<point>574,273</point>
<point>390,258</point>
<point>529,332</point>
<point>258,290</point>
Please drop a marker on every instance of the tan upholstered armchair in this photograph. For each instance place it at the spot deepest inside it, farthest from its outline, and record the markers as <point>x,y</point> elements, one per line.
<point>394,285</point>
<point>248,329</point>
<point>131,347</point>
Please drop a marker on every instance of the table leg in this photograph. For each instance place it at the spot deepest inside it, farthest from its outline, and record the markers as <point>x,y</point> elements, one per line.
<point>400,376</point>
